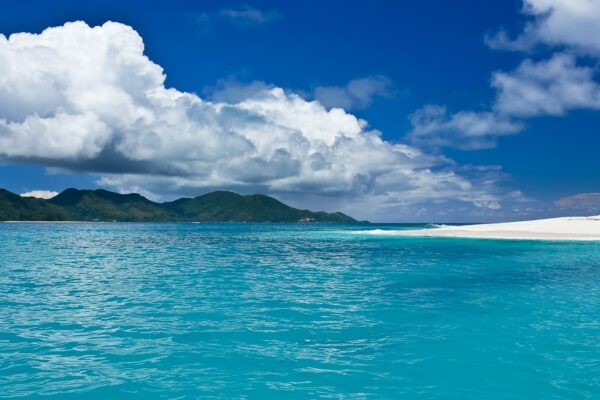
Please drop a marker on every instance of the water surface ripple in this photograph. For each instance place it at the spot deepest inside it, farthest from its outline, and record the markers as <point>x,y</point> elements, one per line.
<point>256,311</point>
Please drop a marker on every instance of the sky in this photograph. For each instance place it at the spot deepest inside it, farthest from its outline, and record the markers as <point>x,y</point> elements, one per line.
<point>407,111</point>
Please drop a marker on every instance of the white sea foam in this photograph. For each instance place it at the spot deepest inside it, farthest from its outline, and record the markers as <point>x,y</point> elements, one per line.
<point>565,228</point>
<point>436,225</point>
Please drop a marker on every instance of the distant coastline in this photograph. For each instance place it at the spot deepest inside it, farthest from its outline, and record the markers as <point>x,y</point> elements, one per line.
<point>74,205</point>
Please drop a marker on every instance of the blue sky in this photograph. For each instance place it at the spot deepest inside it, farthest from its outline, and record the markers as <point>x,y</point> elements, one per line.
<point>380,61</point>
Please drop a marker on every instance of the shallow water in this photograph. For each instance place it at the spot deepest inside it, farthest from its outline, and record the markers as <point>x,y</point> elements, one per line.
<point>216,311</point>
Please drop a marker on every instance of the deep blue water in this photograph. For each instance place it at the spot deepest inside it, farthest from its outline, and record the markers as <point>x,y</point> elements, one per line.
<point>267,311</point>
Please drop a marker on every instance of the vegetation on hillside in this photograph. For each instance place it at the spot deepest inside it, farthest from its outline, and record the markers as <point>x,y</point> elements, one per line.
<point>103,205</point>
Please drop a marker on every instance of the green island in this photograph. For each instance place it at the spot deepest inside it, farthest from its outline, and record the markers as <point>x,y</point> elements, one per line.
<point>103,205</point>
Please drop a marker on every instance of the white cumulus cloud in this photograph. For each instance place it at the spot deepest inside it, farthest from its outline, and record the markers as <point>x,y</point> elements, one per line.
<point>570,23</point>
<point>548,87</point>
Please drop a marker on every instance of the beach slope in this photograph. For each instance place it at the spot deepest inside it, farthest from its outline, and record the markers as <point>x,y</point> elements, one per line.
<point>565,228</point>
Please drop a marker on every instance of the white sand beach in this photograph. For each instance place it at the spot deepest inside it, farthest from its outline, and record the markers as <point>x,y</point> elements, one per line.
<point>565,228</point>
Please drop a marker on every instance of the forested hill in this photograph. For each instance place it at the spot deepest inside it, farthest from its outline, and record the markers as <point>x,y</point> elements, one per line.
<point>103,205</point>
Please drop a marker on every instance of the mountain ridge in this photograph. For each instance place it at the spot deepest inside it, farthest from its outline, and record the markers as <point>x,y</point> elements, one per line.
<point>103,205</point>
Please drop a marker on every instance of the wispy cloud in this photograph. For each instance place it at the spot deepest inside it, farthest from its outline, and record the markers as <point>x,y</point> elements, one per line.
<point>241,16</point>
<point>588,202</point>
<point>231,90</point>
<point>358,94</point>
<point>433,126</point>
<point>248,15</point>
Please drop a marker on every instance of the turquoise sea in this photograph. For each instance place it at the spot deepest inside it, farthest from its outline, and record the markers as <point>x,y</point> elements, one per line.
<point>271,311</point>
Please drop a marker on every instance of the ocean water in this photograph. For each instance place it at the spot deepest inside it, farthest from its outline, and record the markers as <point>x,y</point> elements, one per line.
<point>269,311</point>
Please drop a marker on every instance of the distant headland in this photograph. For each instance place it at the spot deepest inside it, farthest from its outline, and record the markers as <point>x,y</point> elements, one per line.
<point>103,205</point>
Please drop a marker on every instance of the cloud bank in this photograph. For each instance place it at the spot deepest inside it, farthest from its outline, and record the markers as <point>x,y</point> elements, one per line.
<point>87,99</point>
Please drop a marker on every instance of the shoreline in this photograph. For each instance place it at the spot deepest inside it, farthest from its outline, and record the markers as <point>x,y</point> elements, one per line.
<point>564,228</point>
